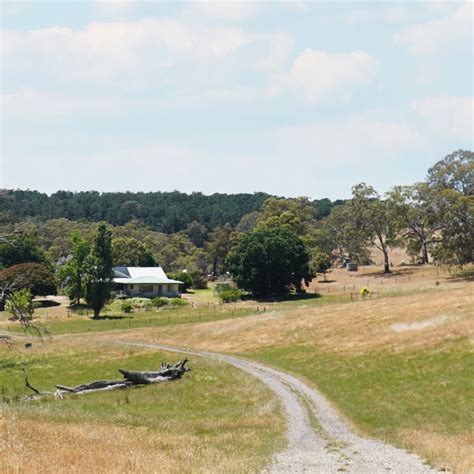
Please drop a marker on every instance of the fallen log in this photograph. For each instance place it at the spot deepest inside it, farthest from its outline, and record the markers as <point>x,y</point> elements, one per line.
<point>96,386</point>
<point>166,373</point>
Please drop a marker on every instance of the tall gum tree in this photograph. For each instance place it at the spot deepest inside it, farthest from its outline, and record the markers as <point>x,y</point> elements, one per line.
<point>375,218</point>
<point>416,215</point>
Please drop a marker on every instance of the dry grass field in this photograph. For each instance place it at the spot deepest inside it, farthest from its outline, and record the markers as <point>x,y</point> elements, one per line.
<point>396,364</point>
<point>215,419</point>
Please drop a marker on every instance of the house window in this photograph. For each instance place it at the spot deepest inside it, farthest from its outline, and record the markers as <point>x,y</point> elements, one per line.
<point>165,288</point>
<point>146,288</point>
<point>131,287</point>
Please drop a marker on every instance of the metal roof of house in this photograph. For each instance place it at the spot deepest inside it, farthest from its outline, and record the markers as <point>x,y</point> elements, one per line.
<point>145,275</point>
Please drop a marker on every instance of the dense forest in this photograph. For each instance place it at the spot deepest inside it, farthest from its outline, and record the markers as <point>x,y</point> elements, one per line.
<point>166,212</point>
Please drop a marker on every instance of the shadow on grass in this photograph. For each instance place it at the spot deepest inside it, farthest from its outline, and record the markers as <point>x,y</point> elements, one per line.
<point>282,298</point>
<point>393,273</point>
<point>111,318</point>
<point>78,307</point>
<point>466,274</point>
<point>46,303</point>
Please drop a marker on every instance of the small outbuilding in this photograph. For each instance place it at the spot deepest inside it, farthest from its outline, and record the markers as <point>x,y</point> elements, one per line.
<point>146,281</point>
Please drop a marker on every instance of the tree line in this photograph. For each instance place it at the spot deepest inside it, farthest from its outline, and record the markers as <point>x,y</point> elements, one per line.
<point>167,212</point>
<point>271,250</point>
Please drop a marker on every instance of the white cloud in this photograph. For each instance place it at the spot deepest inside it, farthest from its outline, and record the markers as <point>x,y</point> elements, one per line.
<point>29,104</point>
<point>126,51</point>
<point>447,115</point>
<point>316,74</point>
<point>454,31</point>
<point>280,47</point>
<point>241,10</point>
<point>357,140</point>
<point>227,10</point>
<point>114,6</point>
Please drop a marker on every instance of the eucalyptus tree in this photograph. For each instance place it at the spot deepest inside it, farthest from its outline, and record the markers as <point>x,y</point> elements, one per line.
<point>417,216</point>
<point>451,181</point>
<point>375,219</point>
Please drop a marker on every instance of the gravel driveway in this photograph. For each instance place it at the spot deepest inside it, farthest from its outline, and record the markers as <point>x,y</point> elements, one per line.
<point>318,440</point>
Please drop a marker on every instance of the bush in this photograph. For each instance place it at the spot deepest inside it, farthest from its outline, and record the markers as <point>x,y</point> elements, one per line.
<point>221,287</point>
<point>199,280</point>
<point>21,304</point>
<point>159,301</point>
<point>185,277</point>
<point>127,306</point>
<point>36,278</point>
<point>230,296</point>
<point>178,302</point>
<point>364,292</point>
<point>140,303</point>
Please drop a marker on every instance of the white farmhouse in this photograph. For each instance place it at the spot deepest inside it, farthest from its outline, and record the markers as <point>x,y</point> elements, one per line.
<point>145,281</point>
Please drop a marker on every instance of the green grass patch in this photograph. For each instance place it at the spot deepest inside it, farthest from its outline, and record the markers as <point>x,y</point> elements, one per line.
<point>384,392</point>
<point>212,402</point>
<point>113,319</point>
<point>122,321</point>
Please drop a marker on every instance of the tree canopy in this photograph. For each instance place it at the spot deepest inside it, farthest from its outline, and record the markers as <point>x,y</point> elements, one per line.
<point>38,279</point>
<point>130,252</point>
<point>99,270</point>
<point>167,212</point>
<point>20,249</point>
<point>72,272</point>
<point>270,261</point>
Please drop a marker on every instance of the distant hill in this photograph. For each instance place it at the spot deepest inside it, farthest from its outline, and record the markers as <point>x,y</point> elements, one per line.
<point>167,212</point>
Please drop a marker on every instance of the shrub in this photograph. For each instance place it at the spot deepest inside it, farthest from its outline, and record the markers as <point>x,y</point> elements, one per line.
<point>222,287</point>
<point>159,301</point>
<point>364,292</point>
<point>35,277</point>
<point>199,280</point>
<point>178,302</point>
<point>230,296</point>
<point>140,303</point>
<point>21,304</point>
<point>185,277</point>
<point>127,306</point>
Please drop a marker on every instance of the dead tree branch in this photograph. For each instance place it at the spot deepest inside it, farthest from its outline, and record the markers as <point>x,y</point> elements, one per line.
<point>166,373</point>
<point>27,382</point>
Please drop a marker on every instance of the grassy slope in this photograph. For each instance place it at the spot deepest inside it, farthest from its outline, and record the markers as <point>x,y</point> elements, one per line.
<point>392,395</point>
<point>413,387</point>
<point>215,416</point>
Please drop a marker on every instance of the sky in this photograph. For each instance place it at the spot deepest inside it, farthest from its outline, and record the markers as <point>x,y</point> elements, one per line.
<point>289,98</point>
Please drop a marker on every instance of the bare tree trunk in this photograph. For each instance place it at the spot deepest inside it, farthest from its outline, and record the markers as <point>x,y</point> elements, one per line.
<point>386,262</point>
<point>424,252</point>
<point>383,248</point>
<point>96,313</point>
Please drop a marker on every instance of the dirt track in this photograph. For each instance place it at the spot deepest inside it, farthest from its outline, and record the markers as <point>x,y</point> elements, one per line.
<point>325,446</point>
